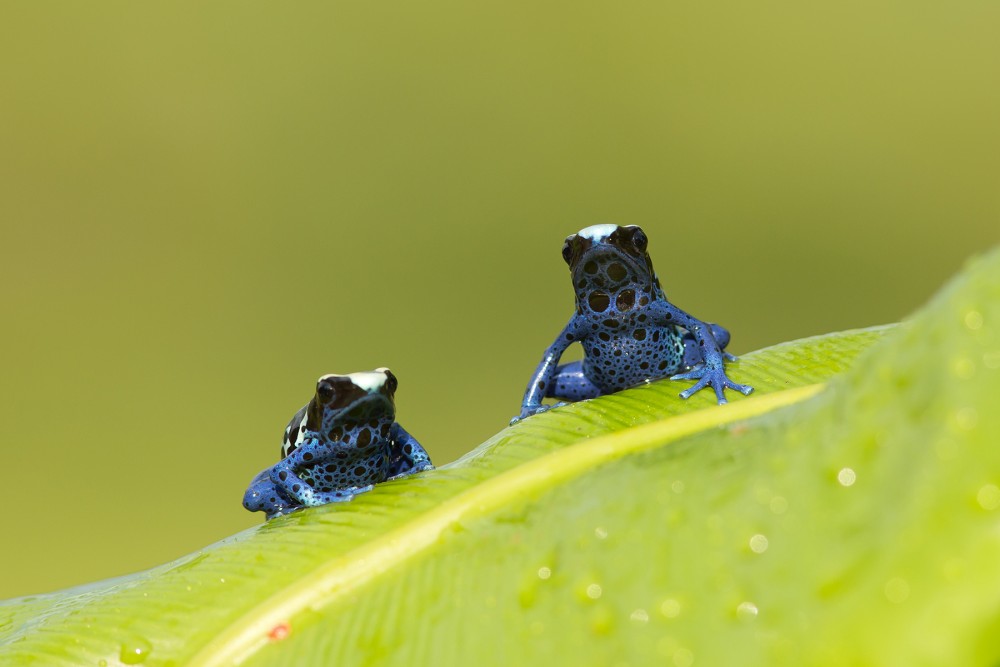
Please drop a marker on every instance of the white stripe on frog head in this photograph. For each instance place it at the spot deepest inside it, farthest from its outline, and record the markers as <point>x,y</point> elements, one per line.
<point>597,232</point>
<point>370,381</point>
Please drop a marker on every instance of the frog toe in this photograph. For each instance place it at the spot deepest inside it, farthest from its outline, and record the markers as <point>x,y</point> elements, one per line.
<point>695,374</point>
<point>698,386</point>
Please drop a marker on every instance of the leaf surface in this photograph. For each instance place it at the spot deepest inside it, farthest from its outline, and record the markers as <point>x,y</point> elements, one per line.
<point>635,528</point>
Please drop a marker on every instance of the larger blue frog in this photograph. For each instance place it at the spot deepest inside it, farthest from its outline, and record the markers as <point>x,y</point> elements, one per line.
<point>630,333</point>
<point>344,441</point>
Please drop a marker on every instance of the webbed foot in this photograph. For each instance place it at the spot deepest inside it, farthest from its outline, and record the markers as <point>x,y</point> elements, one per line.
<point>714,377</point>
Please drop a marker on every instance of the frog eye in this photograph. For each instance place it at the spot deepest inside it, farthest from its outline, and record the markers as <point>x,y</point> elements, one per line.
<point>391,382</point>
<point>567,251</point>
<point>639,240</point>
<point>325,390</point>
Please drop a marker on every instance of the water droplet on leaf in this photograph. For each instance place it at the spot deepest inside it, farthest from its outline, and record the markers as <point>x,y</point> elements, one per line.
<point>135,651</point>
<point>988,497</point>
<point>640,616</point>
<point>758,543</point>
<point>670,608</point>
<point>746,611</point>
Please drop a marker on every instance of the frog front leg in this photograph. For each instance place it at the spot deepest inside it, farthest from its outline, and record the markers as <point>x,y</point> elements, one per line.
<point>692,350</point>
<point>541,380</point>
<point>285,477</point>
<point>711,372</point>
<point>407,456</point>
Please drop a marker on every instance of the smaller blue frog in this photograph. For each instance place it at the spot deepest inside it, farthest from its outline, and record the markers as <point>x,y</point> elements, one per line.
<point>630,333</point>
<point>342,443</point>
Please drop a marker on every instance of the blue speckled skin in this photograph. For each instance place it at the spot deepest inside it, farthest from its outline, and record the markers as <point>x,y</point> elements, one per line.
<point>344,441</point>
<point>630,333</point>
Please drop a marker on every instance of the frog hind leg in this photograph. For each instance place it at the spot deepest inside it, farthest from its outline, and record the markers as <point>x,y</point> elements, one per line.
<point>263,496</point>
<point>305,494</point>
<point>692,351</point>
<point>569,383</point>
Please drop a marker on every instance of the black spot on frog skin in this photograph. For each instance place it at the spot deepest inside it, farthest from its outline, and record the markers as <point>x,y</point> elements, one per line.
<point>617,272</point>
<point>599,301</point>
<point>626,299</point>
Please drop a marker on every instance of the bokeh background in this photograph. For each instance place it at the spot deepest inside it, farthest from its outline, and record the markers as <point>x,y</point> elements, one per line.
<point>205,206</point>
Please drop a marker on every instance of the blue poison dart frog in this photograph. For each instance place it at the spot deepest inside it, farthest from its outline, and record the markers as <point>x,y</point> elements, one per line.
<point>344,441</point>
<point>630,333</point>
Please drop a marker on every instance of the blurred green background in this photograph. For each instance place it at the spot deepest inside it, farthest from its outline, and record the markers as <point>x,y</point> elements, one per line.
<point>205,206</point>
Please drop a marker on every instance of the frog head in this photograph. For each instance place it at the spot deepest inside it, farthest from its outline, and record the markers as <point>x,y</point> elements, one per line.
<point>610,265</point>
<point>352,399</point>
<point>344,404</point>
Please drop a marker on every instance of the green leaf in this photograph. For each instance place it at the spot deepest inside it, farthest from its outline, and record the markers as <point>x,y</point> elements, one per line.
<point>854,523</point>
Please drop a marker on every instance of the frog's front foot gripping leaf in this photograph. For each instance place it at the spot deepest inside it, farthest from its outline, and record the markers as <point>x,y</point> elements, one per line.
<point>529,410</point>
<point>714,377</point>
